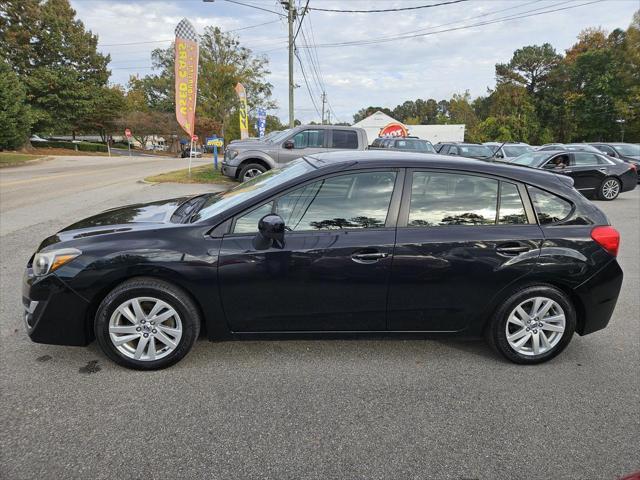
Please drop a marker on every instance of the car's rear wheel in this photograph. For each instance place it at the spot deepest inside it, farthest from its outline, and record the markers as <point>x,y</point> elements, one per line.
<point>609,189</point>
<point>147,324</point>
<point>251,170</point>
<point>533,325</point>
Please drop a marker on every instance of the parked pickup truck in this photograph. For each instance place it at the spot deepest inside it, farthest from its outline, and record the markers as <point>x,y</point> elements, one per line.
<point>243,161</point>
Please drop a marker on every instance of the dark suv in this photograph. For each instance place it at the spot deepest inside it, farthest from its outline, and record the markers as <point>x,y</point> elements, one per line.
<point>367,243</point>
<point>469,150</point>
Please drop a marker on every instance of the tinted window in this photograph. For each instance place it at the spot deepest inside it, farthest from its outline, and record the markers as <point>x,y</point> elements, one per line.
<point>248,223</point>
<point>309,139</point>
<point>549,207</point>
<point>606,149</point>
<point>359,200</point>
<point>474,151</point>
<point>511,206</point>
<point>584,159</point>
<point>452,199</point>
<point>344,139</point>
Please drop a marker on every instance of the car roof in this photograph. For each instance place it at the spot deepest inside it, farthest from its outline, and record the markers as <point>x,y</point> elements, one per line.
<point>395,158</point>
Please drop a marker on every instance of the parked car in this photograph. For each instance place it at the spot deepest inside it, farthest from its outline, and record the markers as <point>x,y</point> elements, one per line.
<point>571,147</point>
<point>593,174</point>
<point>247,160</point>
<point>404,144</point>
<point>469,150</point>
<point>627,152</point>
<point>346,242</point>
<point>186,152</point>
<point>37,138</point>
<point>508,149</point>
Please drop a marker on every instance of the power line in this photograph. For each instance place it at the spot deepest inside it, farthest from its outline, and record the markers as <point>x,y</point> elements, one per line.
<point>402,9</point>
<point>172,39</point>
<point>304,12</point>
<point>256,7</point>
<point>306,82</point>
<point>464,27</point>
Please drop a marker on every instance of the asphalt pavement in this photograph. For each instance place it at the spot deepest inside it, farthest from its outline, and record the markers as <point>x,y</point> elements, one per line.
<point>396,409</point>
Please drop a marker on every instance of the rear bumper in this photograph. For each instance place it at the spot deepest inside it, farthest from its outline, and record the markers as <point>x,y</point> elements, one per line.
<point>54,313</point>
<point>629,180</point>
<point>598,297</point>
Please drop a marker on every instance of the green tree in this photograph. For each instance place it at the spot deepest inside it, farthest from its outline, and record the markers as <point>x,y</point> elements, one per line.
<point>56,59</point>
<point>529,66</point>
<point>15,117</point>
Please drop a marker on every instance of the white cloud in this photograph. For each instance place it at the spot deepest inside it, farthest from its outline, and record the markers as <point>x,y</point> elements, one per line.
<point>382,74</point>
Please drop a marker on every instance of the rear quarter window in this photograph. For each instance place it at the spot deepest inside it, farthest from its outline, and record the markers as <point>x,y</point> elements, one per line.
<point>549,207</point>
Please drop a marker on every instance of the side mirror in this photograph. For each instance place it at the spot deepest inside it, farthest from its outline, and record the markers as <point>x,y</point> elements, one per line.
<point>288,144</point>
<point>270,232</point>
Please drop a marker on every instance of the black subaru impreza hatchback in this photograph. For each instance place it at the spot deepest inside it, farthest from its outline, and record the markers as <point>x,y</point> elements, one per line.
<point>345,243</point>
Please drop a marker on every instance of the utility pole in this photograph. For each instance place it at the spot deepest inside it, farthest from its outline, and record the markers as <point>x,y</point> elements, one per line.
<point>324,99</point>
<point>290,18</point>
<point>329,117</point>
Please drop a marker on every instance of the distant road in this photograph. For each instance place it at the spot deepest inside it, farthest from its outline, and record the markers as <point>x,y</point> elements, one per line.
<point>74,186</point>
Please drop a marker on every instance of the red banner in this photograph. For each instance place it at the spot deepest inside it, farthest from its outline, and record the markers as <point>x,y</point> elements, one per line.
<point>186,73</point>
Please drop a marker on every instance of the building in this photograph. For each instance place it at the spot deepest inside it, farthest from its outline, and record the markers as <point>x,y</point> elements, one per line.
<point>375,124</point>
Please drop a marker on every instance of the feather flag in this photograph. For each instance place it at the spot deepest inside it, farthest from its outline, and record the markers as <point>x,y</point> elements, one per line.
<point>186,73</point>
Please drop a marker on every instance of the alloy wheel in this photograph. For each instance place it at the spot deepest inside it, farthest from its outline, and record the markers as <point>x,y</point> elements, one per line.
<point>535,326</point>
<point>611,189</point>
<point>145,328</point>
<point>252,172</point>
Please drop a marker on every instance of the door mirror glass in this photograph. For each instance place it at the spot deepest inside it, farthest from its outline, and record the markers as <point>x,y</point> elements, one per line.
<point>288,144</point>
<point>270,232</point>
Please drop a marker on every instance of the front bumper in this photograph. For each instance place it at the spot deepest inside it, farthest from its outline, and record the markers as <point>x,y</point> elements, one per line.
<point>229,170</point>
<point>54,313</point>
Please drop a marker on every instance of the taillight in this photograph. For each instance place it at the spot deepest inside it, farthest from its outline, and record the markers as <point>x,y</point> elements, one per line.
<point>608,238</point>
<point>634,168</point>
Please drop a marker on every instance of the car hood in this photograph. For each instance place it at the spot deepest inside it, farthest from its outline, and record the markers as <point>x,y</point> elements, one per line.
<point>131,217</point>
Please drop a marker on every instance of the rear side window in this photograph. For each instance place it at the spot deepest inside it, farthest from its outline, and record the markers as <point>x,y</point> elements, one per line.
<point>439,199</point>
<point>511,207</point>
<point>347,139</point>
<point>585,159</point>
<point>549,207</point>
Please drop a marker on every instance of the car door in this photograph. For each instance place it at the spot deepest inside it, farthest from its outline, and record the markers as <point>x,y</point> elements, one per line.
<point>587,171</point>
<point>461,239</point>
<point>305,142</point>
<point>333,270</point>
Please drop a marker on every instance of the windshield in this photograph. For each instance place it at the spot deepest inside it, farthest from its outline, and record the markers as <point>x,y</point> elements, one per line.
<point>216,204</point>
<point>530,159</point>
<point>475,151</point>
<point>516,150</point>
<point>628,149</point>
<point>280,136</point>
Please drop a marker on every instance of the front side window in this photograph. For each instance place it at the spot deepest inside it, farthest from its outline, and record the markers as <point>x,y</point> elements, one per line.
<point>549,207</point>
<point>309,139</point>
<point>439,199</point>
<point>359,200</point>
<point>248,223</point>
<point>346,139</point>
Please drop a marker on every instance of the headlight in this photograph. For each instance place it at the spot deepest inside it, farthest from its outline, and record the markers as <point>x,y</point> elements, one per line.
<point>231,154</point>
<point>47,262</point>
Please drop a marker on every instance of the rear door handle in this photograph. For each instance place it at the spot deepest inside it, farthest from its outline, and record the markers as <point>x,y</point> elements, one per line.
<point>512,249</point>
<point>368,257</point>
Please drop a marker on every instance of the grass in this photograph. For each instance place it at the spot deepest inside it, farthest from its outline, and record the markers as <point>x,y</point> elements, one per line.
<point>201,174</point>
<point>10,159</point>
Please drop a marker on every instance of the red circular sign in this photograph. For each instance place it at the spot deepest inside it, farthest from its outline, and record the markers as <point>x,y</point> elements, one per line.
<point>194,138</point>
<point>393,129</point>
<point>127,132</point>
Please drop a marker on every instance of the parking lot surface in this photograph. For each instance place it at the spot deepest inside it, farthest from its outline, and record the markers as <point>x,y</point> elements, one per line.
<point>441,409</point>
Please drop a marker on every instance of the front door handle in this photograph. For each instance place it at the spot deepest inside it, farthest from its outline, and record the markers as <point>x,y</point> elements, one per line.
<point>368,257</point>
<point>512,249</point>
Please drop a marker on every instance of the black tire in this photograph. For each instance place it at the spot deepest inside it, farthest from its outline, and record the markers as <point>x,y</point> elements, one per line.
<point>495,332</point>
<point>250,167</point>
<point>601,189</point>
<point>148,287</point>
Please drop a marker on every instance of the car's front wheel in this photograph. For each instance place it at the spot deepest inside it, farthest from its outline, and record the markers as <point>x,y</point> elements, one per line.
<point>147,324</point>
<point>533,325</point>
<point>609,189</point>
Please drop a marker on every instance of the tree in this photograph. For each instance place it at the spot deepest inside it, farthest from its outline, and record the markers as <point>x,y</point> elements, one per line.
<point>106,109</point>
<point>223,63</point>
<point>55,58</point>
<point>529,66</point>
<point>15,117</point>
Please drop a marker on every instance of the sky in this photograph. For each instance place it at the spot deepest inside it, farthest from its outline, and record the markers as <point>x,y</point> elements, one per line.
<point>385,74</point>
